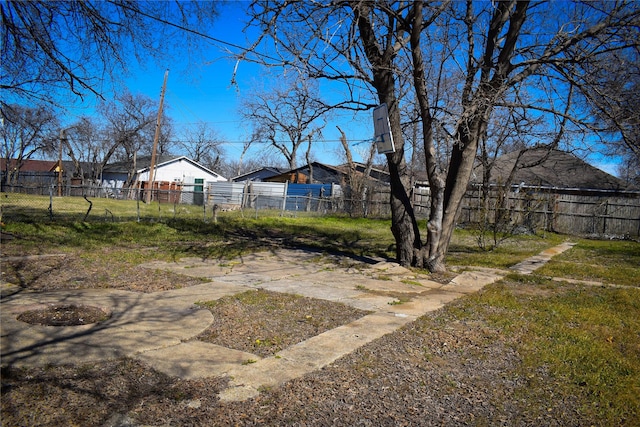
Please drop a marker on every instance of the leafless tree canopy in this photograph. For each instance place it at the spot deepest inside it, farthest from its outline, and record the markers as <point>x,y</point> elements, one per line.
<point>25,132</point>
<point>202,144</point>
<point>449,66</point>
<point>285,116</point>
<point>610,90</point>
<point>57,50</point>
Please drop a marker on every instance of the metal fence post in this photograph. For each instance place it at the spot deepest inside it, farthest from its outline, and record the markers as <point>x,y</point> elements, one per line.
<point>51,202</point>
<point>284,198</point>
<point>204,203</point>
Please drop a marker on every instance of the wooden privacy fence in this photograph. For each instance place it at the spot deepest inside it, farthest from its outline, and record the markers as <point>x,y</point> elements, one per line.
<point>593,215</point>
<point>569,211</point>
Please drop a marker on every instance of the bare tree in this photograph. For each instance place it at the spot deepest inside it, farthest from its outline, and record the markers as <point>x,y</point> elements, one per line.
<point>166,142</point>
<point>358,185</point>
<point>286,116</point>
<point>244,165</point>
<point>86,146</point>
<point>203,144</point>
<point>611,96</point>
<point>54,51</point>
<point>130,126</point>
<point>497,51</point>
<point>26,132</point>
<point>629,170</point>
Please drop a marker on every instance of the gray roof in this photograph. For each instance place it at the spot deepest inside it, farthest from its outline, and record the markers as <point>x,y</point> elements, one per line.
<point>550,168</point>
<point>259,174</point>
<point>142,162</point>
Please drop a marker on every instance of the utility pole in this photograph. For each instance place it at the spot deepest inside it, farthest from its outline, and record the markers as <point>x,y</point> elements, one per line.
<point>309,162</point>
<point>152,166</point>
<point>62,138</point>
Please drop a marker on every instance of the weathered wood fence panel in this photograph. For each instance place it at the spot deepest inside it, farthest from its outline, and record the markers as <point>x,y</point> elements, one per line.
<point>593,213</point>
<point>603,215</point>
<point>598,216</point>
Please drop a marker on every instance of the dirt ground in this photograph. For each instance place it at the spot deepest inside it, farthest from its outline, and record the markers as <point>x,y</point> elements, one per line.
<point>434,371</point>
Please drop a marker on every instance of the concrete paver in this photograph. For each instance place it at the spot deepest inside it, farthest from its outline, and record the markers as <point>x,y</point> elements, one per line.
<point>472,281</point>
<point>308,356</point>
<point>196,359</point>
<point>159,328</point>
<point>531,264</point>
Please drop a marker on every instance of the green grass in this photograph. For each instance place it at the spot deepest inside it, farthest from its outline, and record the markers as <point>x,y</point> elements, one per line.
<point>611,262</point>
<point>464,250</point>
<point>234,235</point>
<point>577,342</point>
<point>574,342</point>
<point>26,206</point>
<point>588,340</point>
<point>231,236</point>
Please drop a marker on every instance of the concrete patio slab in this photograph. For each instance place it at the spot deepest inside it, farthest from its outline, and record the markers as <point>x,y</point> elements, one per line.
<point>196,359</point>
<point>160,328</point>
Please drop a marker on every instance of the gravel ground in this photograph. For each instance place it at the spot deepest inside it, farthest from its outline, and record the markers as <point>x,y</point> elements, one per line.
<point>434,371</point>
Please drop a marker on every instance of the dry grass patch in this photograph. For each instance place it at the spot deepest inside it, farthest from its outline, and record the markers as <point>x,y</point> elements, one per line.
<point>105,269</point>
<point>264,322</point>
<point>107,393</point>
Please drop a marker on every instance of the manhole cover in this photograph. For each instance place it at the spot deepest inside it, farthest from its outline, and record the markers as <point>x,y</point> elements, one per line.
<point>64,315</point>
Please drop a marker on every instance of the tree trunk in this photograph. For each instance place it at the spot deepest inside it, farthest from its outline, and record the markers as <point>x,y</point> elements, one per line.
<point>477,103</point>
<point>427,256</point>
<point>404,225</point>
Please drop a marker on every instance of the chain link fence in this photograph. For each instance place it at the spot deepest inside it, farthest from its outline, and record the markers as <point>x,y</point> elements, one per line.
<point>596,215</point>
<point>36,203</point>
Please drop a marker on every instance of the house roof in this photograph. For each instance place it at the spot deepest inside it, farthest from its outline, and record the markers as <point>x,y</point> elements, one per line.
<point>144,163</point>
<point>262,173</point>
<point>330,174</point>
<point>375,173</point>
<point>30,165</point>
<point>550,168</point>
<point>321,173</point>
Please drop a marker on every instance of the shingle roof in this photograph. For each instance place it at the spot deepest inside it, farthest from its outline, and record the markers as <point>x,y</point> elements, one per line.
<point>141,163</point>
<point>550,168</point>
<point>30,165</point>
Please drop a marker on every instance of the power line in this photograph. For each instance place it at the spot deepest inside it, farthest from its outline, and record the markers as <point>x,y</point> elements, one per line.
<point>198,33</point>
<point>233,142</point>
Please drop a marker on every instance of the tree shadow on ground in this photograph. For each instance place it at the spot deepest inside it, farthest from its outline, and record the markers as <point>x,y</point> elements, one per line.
<point>238,240</point>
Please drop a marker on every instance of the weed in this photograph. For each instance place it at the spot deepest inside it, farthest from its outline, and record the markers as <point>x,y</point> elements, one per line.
<point>267,342</point>
<point>207,304</point>
<point>411,282</point>
<point>399,300</point>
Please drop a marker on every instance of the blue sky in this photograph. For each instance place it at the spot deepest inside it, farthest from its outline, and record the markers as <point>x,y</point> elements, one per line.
<point>205,93</point>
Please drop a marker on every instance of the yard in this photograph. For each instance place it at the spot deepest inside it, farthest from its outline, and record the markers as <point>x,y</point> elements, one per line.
<point>527,350</point>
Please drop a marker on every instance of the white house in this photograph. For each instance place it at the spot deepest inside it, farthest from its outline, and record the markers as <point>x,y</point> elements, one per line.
<point>179,169</point>
<point>189,175</point>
